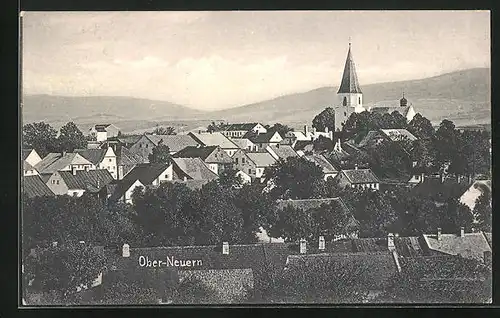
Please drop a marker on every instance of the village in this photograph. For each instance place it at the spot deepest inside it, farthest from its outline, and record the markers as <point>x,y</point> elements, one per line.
<point>364,204</point>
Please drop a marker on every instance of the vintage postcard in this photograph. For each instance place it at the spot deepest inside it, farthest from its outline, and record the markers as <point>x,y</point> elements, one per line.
<point>255,157</point>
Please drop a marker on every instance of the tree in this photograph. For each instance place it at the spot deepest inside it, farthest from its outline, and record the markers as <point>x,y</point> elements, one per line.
<point>419,215</point>
<point>120,225</point>
<point>421,127</point>
<point>330,220</point>
<point>446,142</point>
<point>40,136</point>
<point>164,131</point>
<point>213,127</point>
<point>424,154</point>
<point>390,160</point>
<point>160,154</point>
<point>323,144</point>
<point>281,129</point>
<point>291,224</point>
<point>325,119</point>
<point>71,138</point>
<point>455,216</point>
<point>62,269</point>
<point>296,178</point>
<point>483,211</point>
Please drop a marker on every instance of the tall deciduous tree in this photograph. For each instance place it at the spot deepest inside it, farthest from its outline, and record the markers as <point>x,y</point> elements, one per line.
<point>375,213</point>
<point>40,136</point>
<point>296,178</point>
<point>483,211</point>
<point>421,127</point>
<point>62,269</point>
<point>160,154</point>
<point>71,138</point>
<point>164,130</point>
<point>325,119</point>
<point>446,142</point>
<point>292,224</point>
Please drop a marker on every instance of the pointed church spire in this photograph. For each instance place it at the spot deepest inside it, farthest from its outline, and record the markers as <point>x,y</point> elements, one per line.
<point>349,82</point>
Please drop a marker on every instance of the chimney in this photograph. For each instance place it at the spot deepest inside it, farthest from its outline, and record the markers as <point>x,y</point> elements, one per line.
<point>439,234</point>
<point>321,246</point>
<point>326,129</point>
<point>303,247</point>
<point>338,146</point>
<point>126,250</point>
<point>390,242</point>
<point>73,170</point>
<point>306,131</point>
<point>225,248</point>
<point>487,257</point>
<point>462,231</point>
<point>459,177</point>
<point>422,177</point>
<point>185,178</point>
<point>82,242</point>
<point>442,177</point>
<point>356,167</point>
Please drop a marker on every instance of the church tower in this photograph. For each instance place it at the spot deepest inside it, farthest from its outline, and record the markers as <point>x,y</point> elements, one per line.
<point>350,97</point>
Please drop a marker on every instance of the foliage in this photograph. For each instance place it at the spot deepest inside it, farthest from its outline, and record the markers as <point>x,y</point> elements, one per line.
<point>160,154</point>
<point>359,124</point>
<point>325,119</point>
<point>71,138</point>
<point>421,127</point>
<point>424,154</point>
<point>120,225</point>
<point>291,224</point>
<point>281,129</point>
<point>390,160</point>
<point>330,220</point>
<point>40,136</point>
<point>214,127</point>
<point>446,142</point>
<point>296,178</point>
<point>164,131</point>
<point>64,268</point>
<point>483,211</point>
<point>323,144</point>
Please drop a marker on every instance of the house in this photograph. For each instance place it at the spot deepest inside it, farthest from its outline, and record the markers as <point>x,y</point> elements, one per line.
<point>214,157</point>
<point>65,161</point>
<point>292,137</point>
<point>122,141</point>
<point>215,139</point>
<point>76,182</point>
<point>101,159</point>
<point>29,170</point>
<point>304,147</point>
<point>474,192</point>
<point>143,174</point>
<point>244,177</point>
<point>30,156</point>
<point>102,132</point>
<point>351,229</point>
<point>259,161</point>
<point>407,111</point>
<point>126,161</point>
<point>33,186</point>
<point>467,245</point>
<point>373,271</point>
<point>231,273</point>
<point>328,170</point>
<point>240,130</point>
<point>358,178</point>
<point>269,138</point>
<point>144,146</point>
<point>376,137</point>
<point>282,152</point>
<point>339,157</point>
<point>315,134</point>
<point>191,169</point>
<point>245,144</point>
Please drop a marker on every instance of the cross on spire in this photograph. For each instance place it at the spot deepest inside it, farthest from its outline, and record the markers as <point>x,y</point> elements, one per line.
<point>349,41</point>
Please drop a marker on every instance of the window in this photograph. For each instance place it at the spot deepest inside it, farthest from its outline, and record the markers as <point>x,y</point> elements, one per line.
<point>140,145</point>
<point>109,160</point>
<point>345,113</point>
<point>146,145</point>
<point>359,100</point>
<point>57,181</point>
<point>53,181</point>
<point>345,101</point>
<point>250,171</point>
<point>242,160</point>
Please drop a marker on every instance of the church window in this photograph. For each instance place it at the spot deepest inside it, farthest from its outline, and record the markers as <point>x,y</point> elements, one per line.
<point>359,100</point>
<point>345,101</point>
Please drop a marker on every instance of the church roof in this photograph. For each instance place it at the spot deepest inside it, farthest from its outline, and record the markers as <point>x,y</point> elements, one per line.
<point>349,82</point>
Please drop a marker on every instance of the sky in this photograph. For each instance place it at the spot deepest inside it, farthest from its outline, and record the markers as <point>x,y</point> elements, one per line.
<point>215,60</point>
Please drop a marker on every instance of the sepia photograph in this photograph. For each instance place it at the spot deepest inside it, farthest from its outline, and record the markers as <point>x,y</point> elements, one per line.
<point>218,158</point>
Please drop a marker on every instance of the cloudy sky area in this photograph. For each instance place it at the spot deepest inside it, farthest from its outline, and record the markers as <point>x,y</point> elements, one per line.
<point>215,60</point>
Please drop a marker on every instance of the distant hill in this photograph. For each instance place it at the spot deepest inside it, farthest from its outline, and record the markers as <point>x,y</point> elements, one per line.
<point>85,111</point>
<point>462,96</point>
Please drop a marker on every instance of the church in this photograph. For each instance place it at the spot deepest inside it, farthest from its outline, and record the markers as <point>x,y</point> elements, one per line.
<point>350,98</point>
